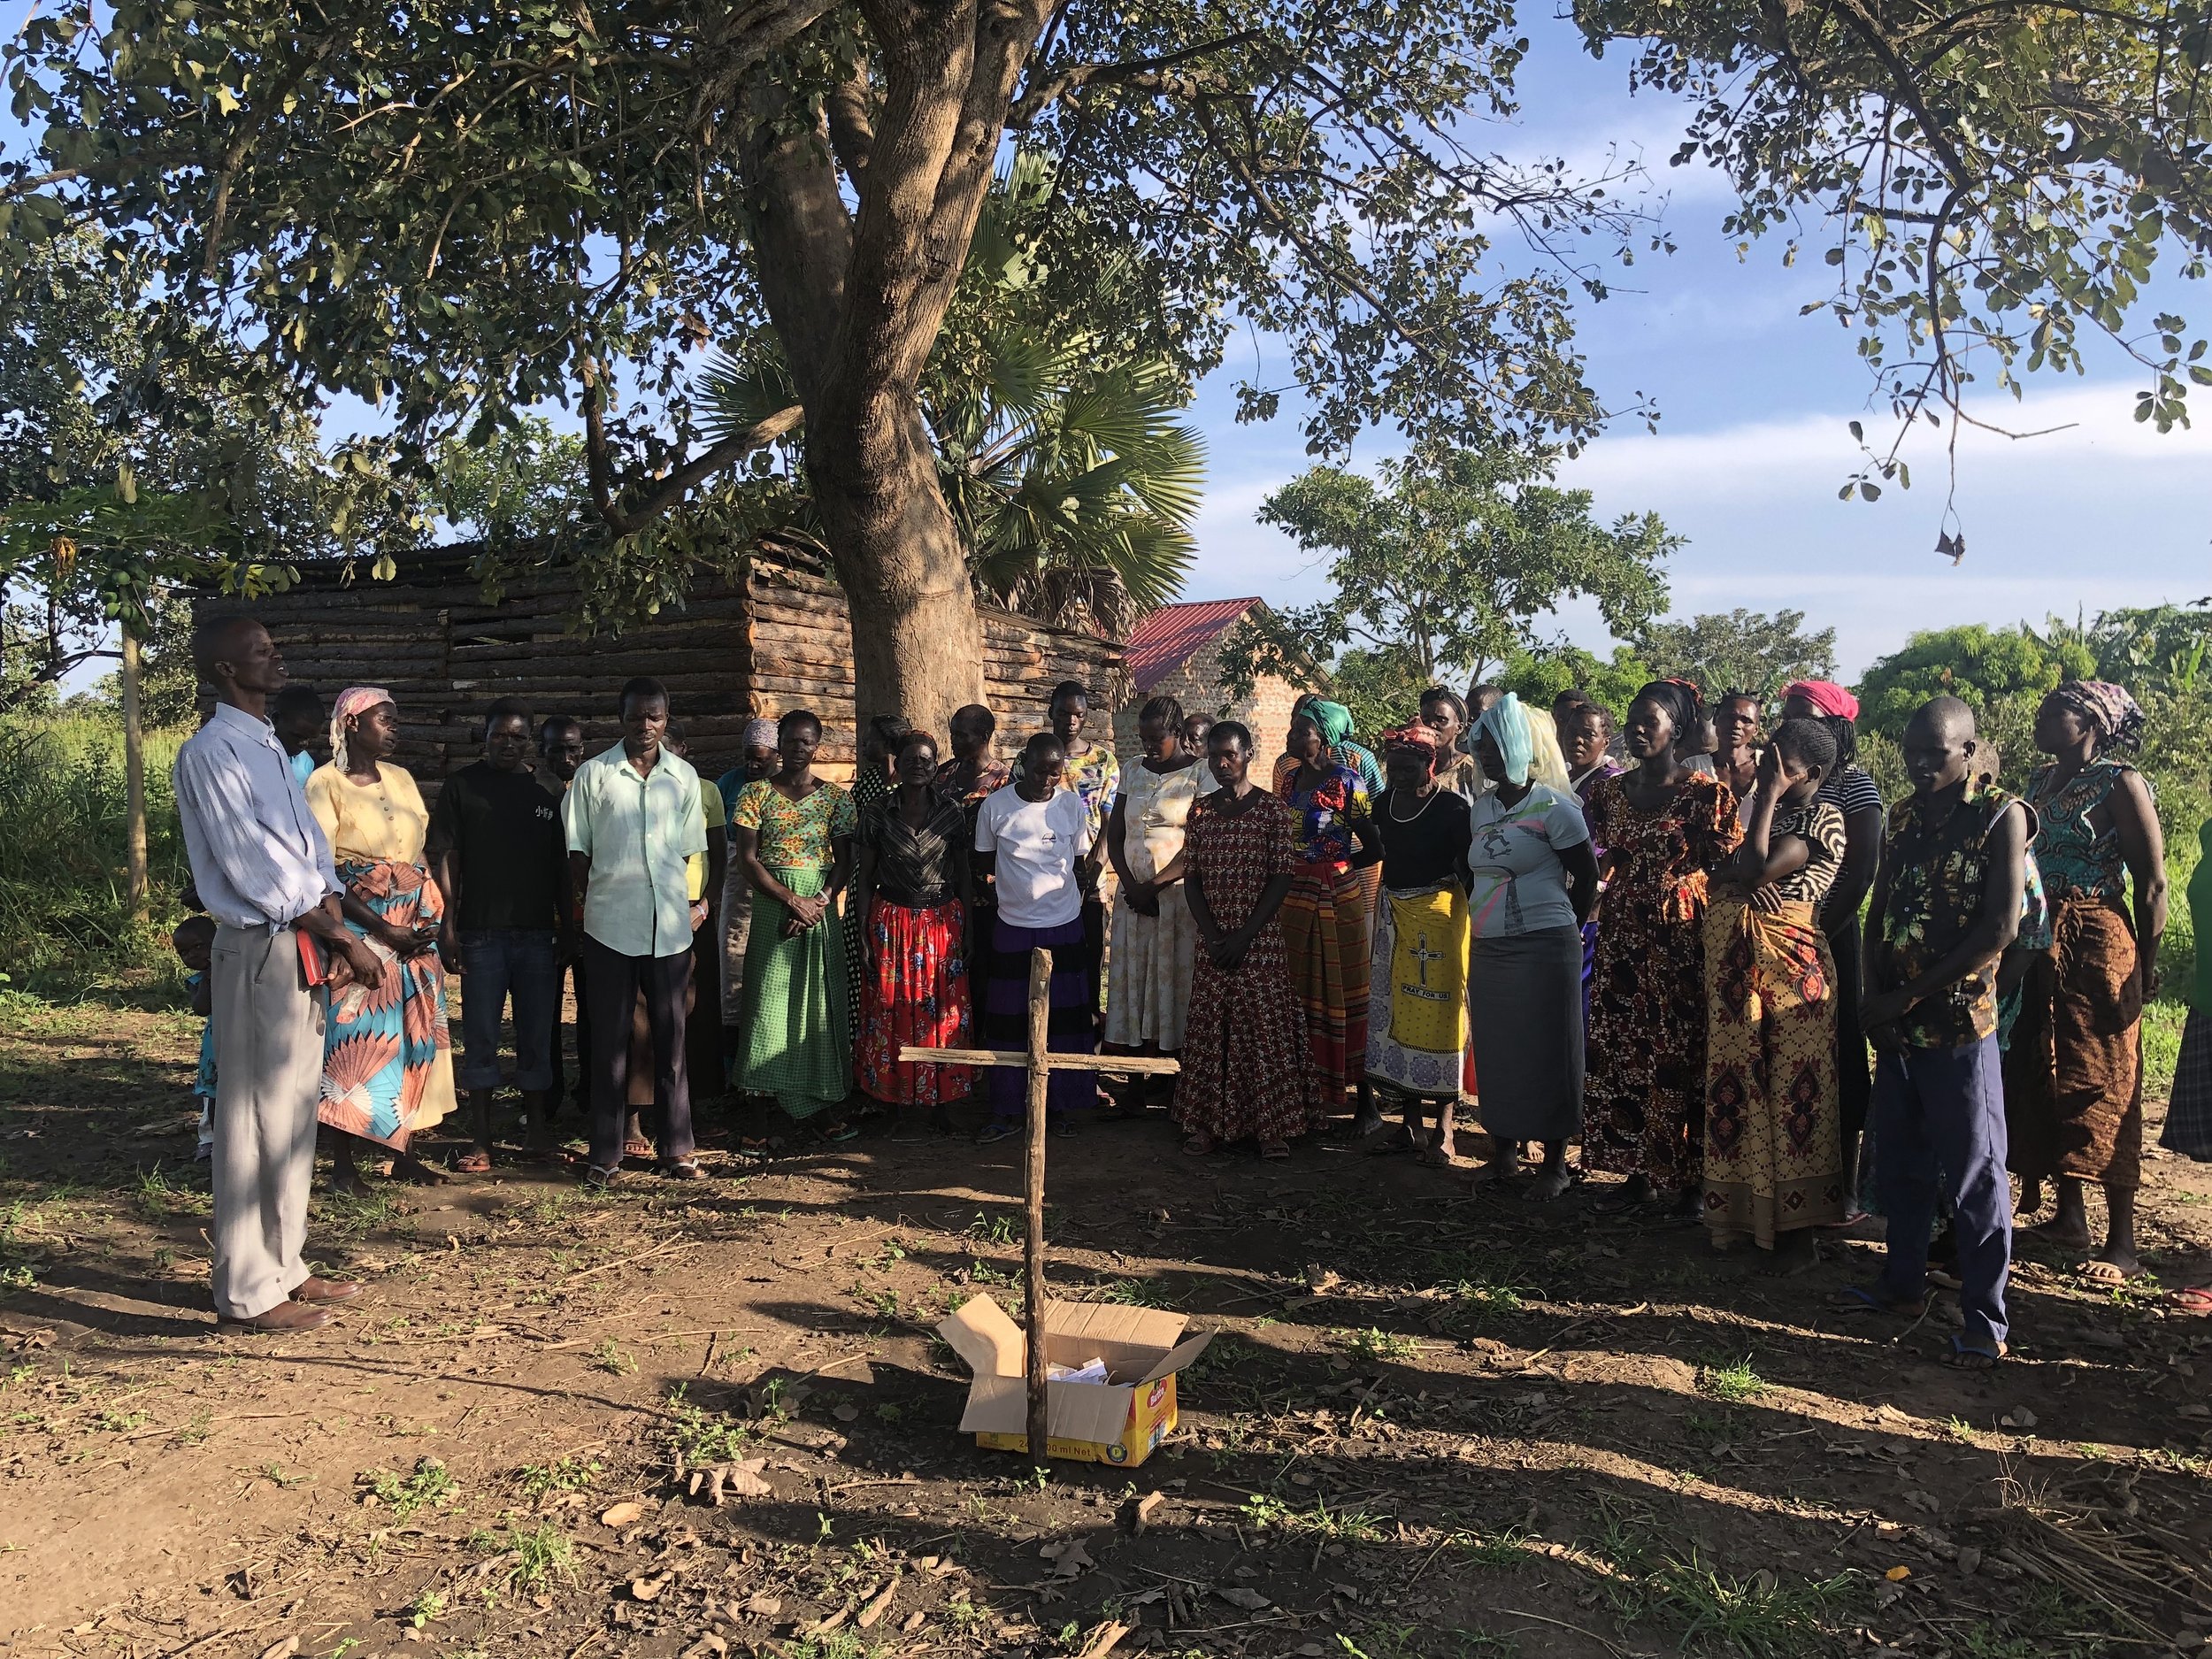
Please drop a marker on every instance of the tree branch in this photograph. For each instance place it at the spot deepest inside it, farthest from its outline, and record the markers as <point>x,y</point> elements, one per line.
<point>1147,73</point>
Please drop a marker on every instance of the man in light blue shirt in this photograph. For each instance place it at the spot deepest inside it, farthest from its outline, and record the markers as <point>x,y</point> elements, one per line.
<point>264,871</point>
<point>634,816</point>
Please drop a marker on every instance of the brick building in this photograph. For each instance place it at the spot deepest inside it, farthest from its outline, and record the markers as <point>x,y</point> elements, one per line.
<point>1176,652</point>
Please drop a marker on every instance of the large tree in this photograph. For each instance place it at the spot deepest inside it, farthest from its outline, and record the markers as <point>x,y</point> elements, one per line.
<point>463,211</point>
<point>1443,564</point>
<point>1739,650</point>
<point>1995,181</point>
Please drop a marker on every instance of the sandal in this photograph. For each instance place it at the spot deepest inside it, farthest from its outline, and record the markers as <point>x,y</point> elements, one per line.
<point>1860,1299</point>
<point>476,1162</point>
<point>1198,1146</point>
<point>683,1170</point>
<point>2192,1301</point>
<point>1965,1355</point>
<point>1274,1148</point>
<point>838,1134</point>
<point>995,1130</point>
<point>639,1147</point>
<point>2097,1271</point>
<point>597,1178</point>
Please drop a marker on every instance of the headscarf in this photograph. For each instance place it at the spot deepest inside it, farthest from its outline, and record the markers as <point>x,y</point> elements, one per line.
<point>759,733</point>
<point>1825,696</point>
<point>1685,710</point>
<point>2118,719</point>
<point>1508,724</point>
<point>352,701</point>
<point>1334,720</point>
<point>1415,736</point>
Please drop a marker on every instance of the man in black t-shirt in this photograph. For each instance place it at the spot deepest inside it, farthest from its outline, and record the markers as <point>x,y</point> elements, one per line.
<point>497,843</point>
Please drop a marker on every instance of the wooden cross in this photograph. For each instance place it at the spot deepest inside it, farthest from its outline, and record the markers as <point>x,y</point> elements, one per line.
<point>1040,1063</point>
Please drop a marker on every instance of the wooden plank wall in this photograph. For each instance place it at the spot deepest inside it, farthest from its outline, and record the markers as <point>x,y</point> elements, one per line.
<point>779,641</point>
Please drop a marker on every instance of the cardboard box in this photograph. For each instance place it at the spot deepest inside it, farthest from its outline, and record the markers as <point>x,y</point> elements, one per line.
<point>1118,1421</point>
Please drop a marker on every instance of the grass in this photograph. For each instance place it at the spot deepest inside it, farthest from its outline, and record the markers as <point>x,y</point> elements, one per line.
<point>563,1474</point>
<point>429,1485</point>
<point>1730,1384</point>
<point>1354,1526</point>
<point>700,1436</point>
<point>1373,1344</point>
<point>612,1360</point>
<point>543,1554</point>
<point>1762,1615</point>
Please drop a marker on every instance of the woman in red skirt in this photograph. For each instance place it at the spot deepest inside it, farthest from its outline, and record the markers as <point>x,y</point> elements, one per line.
<point>915,895</point>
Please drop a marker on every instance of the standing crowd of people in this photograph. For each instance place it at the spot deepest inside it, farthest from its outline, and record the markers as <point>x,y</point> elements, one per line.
<point>1641,934</point>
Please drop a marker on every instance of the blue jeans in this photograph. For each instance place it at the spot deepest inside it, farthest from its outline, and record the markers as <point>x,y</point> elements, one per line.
<point>1939,1128</point>
<point>496,963</point>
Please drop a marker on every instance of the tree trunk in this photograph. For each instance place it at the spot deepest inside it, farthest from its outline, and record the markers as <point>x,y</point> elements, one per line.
<point>134,779</point>
<point>856,295</point>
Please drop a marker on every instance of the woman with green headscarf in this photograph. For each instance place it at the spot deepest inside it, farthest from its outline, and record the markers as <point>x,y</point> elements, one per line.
<point>1324,919</point>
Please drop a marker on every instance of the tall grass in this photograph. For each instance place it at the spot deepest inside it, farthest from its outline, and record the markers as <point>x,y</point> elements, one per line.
<point>64,923</point>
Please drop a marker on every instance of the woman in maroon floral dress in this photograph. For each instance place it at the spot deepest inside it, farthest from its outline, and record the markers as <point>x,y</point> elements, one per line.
<point>1665,829</point>
<point>1248,1072</point>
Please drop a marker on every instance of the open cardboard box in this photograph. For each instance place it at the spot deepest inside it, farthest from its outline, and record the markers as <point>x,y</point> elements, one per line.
<point>1118,1421</point>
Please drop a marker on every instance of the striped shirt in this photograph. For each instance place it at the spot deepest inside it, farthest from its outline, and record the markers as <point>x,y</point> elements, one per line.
<point>258,858</point>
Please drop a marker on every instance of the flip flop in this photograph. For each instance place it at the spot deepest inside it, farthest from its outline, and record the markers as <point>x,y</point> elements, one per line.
<point>1859,1299</point>
<point>1965,1355</point>
<point>2099,1271</point>
<point>2192,1301</point>
<point>476,1162</point>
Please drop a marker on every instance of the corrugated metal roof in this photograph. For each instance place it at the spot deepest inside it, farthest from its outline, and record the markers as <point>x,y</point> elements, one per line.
<point>1163,640</point>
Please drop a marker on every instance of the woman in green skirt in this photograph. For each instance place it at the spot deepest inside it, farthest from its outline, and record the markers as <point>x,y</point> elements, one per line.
<point>792,834</point>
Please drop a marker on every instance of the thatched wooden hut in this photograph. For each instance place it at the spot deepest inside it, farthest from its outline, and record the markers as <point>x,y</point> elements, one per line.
<point>775,638</point>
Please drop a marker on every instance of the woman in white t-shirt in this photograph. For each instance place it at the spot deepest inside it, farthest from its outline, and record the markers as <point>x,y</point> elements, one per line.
<point>1531,880</point>
<point>1030,839</point>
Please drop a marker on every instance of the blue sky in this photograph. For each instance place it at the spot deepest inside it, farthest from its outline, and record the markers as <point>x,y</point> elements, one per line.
<point>1754,441</point>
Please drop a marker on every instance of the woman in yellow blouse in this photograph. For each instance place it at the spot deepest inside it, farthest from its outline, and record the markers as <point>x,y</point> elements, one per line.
<point>387,1056</point>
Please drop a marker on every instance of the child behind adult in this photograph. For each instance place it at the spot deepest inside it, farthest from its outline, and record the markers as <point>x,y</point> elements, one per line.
<point>193,941</point>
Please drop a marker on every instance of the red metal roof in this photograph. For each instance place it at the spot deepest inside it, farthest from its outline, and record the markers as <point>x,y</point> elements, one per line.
<point>1163,640</point>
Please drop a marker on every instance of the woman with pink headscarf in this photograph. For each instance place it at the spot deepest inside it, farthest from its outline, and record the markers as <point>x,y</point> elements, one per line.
<point>388,1055</point>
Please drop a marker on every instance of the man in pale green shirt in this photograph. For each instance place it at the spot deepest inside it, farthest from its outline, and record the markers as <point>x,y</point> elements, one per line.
<point>633,818</point>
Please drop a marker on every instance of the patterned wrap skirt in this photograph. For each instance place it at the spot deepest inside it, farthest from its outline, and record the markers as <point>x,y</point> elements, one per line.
<point>2189,1114</point>
<point>1416,1008</point>
<point>795,1039</point>
<point>1773,1133</point>
<point>915,993</point>
<point>1149,971</point>
<point>2074,1068</point>
<point>388,1054</point>
<point>1070,1028</point>
<point>1325,939</point>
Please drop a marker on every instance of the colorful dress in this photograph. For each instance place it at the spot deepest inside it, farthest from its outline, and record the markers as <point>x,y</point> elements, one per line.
<point>2074,1070</point>
<point>2189,1116</point>
<point>1773,1139</point>
<point>1325,927</point>
<point>796,1040</point>
<point>1416,1010</point>
<point>1248,1069</point>
<point>388,1054</point>
<point>917,989</point>
<point>1644,1090</point>
<point>871,787</point>
<point>1148,990</point>
<point>1586,785</point>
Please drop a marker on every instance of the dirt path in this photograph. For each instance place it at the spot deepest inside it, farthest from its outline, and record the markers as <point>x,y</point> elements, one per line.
<point>1468,1426</point>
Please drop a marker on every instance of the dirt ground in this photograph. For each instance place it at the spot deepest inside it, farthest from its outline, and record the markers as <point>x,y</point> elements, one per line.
<point>1430,1423</point>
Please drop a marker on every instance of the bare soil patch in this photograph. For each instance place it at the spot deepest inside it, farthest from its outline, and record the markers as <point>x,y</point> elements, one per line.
<point>1431,1423</point>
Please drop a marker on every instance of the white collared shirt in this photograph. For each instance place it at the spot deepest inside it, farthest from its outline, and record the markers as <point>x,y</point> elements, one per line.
<point>637,831</point>
<point>258,858</point>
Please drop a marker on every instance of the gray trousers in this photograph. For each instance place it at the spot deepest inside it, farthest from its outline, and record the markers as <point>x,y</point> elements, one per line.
<point>268,1077</point>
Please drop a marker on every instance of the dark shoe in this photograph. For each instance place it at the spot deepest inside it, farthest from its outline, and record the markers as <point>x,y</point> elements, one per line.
<point>285,1317</point>
<point>996,1130</point>
<point>315,1291</point>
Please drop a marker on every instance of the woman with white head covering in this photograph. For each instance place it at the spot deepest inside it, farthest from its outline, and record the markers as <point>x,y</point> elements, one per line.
<point>387,1056</point>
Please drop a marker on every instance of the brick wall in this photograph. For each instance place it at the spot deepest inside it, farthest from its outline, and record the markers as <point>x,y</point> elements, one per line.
<point>1196,685</point>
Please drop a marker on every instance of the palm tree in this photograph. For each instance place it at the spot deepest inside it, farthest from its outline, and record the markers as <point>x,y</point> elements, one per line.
<point>1073,482</point>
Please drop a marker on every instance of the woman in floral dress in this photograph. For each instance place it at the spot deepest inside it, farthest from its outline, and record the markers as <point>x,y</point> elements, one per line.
<point>2074,1068</point>
<point>388,1054</point>
<point>1248,1069</point>
<point>1665,829</point>
<point>792,833</point>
